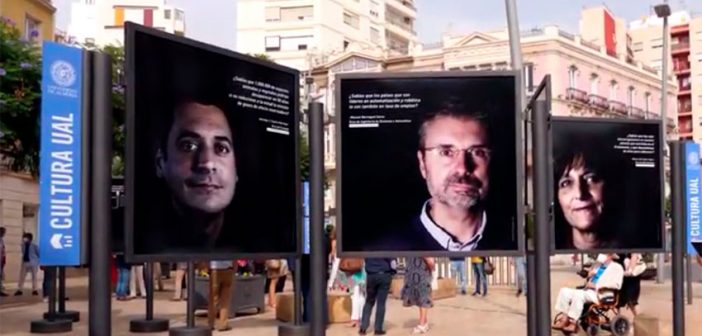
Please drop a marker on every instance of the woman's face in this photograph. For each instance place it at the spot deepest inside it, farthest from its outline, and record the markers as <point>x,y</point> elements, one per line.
<point>580,194</point>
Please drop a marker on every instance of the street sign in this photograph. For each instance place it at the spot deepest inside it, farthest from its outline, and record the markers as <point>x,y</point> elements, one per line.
<point>61,155</point>
<point>692,194</point>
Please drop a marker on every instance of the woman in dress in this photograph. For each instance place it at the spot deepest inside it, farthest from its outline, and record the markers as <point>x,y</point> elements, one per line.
<point>417,289</point>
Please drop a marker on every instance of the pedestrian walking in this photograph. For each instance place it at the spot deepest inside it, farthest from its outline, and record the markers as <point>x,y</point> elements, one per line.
<point>30,263</point>
<point>137,279</point>
<point>379,272</point>
<point>221,288</point>
<point>631,285</point>
<point>520,262</point>
<point>417,289</point>
<point>123,270</point>
<point>478,265</point>
<point>458,266</point>
<point>180,281</point>
<point>275,269</point>
<point>3,260</point>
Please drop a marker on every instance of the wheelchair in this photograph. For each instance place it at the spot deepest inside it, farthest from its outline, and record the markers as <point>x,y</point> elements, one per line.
<point>603,315</point>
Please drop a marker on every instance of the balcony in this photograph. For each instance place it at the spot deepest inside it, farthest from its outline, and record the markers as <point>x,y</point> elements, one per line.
<point>681,67</point>
<point>398,27</point>
<point>617,107</point>
<point>637,112</point>
<point>576,95</point>
<point>680,47</point>
<point>685,109</point>
<point>403,6</point>
<point>598,102</point>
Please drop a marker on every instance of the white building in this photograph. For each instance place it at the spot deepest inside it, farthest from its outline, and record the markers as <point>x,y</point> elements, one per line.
<point>300,33</point>
<point>101,22</point>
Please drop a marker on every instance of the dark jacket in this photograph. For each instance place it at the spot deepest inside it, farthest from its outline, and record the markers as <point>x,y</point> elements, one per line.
<point>416,238</point>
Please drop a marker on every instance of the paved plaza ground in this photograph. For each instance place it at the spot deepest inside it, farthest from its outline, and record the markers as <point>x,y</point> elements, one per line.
<point>500,313</point>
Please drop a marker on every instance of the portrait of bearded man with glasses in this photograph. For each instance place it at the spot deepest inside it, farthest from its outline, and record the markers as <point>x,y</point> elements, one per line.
<point>454,157</point>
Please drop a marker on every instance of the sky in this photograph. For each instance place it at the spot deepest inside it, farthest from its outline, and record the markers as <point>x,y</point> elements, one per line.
<point>214,21</point>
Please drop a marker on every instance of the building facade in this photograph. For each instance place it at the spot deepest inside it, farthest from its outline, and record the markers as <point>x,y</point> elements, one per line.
<point>101,22</point>
<point>34,18</point>
<point>19,193</point>
<point>308,33</point>
<point>586,79</point>
<point>684,55</point>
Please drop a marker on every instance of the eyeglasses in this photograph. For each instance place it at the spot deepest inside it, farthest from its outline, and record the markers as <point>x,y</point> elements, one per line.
<point>481,154</point>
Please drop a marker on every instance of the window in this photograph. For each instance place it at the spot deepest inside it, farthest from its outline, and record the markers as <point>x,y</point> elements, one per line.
<point>295,42</point>
<point>351,19</point>
<point>296,13</point>
<point>374,35</point>
<point>528,76</point>
<point>272,43</point>
<point>647,102</point>
<point>346,44</point>
<point>167,14</point>
<point>638,46</point>
<point>594,83</point>
<point>179,15</point>
<point>572,79</point>
<point>374,8</point>
<point>631,96</point>
<point>613,90</point>
<point>272,14</point>
<point>32,29</point>
<point>119,17</point>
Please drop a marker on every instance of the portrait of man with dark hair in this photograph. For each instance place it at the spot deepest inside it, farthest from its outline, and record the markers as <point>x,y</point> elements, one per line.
<point>197,163</point>
<point>212,171</point>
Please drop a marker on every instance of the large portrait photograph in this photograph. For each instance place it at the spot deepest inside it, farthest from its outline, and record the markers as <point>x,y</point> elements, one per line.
<point>428,164</point>
<point>211,151</point>
<point>607,186</point>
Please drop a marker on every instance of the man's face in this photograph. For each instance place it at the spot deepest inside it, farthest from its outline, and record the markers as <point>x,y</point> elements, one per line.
<point>199,165</point>
<point>580,195</point>
<point>455,161</point>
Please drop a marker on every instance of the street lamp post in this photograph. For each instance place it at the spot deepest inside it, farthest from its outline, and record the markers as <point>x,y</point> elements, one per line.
<point>663,11</point>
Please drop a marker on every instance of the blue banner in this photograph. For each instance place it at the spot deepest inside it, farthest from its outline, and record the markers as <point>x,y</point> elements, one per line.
<point>60,156</point>
<point>692,194</point>
<point>306,217</point>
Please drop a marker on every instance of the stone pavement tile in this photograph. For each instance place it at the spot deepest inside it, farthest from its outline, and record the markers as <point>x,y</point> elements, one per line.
<point>500,313</point>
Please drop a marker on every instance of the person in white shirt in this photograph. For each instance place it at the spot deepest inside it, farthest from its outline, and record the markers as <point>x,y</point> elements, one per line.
<point>570,302</point>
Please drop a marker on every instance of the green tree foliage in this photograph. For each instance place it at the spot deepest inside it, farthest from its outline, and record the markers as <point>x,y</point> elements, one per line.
<point>20,100</point>
<point>119,114</point>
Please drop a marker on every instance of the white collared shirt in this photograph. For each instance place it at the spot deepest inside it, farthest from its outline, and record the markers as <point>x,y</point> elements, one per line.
<point>444,239</point>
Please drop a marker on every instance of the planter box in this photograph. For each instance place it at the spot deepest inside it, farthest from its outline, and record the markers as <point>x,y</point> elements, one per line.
<point>247,294</point>
<point>339,307</point>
